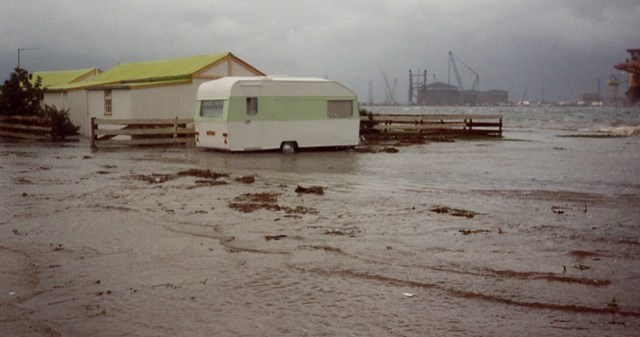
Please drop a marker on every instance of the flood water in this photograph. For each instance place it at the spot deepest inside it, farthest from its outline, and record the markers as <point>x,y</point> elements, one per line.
<point>533,234</point>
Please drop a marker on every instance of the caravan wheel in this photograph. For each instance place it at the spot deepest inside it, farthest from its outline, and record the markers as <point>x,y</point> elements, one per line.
<point>289,147</point>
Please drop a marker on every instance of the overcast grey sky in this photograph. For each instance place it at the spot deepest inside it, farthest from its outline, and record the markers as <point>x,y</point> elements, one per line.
<point>512,44</point>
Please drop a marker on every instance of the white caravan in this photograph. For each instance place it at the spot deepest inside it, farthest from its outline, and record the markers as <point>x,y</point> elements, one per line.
<point>266,113</point>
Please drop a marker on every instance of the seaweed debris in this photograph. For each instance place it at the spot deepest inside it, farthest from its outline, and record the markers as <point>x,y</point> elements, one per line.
<point>319,190</point>
<point>453,211</point>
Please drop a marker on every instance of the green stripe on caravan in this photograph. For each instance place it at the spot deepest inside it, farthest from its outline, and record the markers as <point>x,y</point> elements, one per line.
<point>282,108</point>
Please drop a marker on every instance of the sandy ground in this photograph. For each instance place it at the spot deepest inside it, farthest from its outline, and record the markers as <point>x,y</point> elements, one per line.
<point>168,242</point>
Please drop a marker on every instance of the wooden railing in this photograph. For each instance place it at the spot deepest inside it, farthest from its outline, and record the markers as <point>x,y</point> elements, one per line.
<point>26,127</point>
<point>387,125</point>
<point>141,131</point>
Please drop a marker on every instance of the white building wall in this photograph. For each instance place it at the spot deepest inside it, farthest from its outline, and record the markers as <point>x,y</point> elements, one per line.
<point>56,99</point>
<point>120,104</point>
<point>220,69</point>
<point>95,103</point>
<point>76,102</point>
<point>239,70</point>
<point>122,107</point>
<point>164,102</point>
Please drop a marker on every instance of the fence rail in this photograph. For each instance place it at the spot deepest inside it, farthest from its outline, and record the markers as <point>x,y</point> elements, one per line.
<point>181,130</point>
<point>26,127</point>
<point>396,125</point>
<point>141,131</point>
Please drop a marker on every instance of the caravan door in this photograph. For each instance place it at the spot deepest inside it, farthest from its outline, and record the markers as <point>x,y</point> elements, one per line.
<point>252,128</point>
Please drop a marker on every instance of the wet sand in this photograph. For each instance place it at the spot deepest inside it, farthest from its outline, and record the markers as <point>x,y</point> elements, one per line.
<point>483,238</point>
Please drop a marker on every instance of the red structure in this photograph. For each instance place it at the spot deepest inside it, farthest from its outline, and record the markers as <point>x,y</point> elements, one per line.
<point>632,66</point>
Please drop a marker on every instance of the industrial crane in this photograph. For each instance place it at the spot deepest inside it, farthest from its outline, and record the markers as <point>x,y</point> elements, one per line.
<point>452,62</point>
<point>389,90</point>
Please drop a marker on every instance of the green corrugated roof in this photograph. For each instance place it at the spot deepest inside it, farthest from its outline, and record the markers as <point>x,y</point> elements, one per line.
<point>54,78</point>
<point>174,68</point>
<point>149,72</point>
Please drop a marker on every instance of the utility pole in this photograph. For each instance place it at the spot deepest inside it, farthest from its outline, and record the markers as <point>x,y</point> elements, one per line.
<point>22,49</point>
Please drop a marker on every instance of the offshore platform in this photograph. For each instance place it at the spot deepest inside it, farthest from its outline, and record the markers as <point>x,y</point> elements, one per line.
<point>632,66</point>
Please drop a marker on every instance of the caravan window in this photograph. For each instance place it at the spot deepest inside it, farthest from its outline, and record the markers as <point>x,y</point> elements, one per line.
<point>252,105</point>
<point>340,109</point>
<point>211,108</point>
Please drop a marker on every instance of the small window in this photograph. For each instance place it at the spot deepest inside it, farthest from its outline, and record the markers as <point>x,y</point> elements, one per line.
<point>211,108</point>
<point>108,103</point>
<point>252,105</point>
<point>340,109</point>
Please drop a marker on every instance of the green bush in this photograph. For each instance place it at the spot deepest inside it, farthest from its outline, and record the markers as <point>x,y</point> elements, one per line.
<point>60,122</point>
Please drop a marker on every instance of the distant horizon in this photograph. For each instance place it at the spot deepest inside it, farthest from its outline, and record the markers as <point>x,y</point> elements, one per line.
<point>622,76</point>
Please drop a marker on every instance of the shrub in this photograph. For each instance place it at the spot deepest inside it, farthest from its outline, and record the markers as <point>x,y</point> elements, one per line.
<point>60,122</point>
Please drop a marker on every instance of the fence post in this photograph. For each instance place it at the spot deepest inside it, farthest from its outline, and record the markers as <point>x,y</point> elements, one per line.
<point>93,132</point>
<point>52,130</point>
<point>175,130</point>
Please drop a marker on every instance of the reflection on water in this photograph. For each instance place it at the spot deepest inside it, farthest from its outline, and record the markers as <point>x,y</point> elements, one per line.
<point>306,162</point>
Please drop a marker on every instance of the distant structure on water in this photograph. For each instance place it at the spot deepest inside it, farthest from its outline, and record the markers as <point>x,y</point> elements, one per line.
<point>439,93</point>
<point>418,88</point>
<point>443,94</point>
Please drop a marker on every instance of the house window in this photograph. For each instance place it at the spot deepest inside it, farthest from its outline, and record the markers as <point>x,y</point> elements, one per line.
<point>108,105</point>
<point>211,108</point>
<point>340,109</point>
<point>252,105</point>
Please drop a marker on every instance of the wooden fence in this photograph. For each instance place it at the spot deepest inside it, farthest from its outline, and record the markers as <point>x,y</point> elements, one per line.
<point>392,125</point>
<point>26,127</point>
<point>141,131</point>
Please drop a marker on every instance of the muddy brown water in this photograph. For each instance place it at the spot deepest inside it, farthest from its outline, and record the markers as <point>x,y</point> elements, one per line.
<point>118,243</point>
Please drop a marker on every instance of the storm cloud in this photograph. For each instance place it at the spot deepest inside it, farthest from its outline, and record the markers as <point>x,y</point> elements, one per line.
<point>513,45</point>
